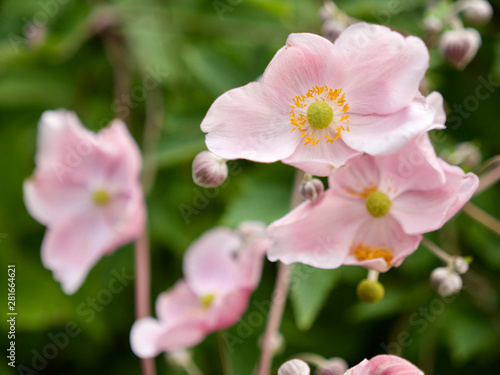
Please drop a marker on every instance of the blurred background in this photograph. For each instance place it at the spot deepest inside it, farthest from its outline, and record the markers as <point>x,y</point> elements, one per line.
<point>160,65</point>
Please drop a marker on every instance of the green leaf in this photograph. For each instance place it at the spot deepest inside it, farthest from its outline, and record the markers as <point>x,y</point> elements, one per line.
<point>309,289</point>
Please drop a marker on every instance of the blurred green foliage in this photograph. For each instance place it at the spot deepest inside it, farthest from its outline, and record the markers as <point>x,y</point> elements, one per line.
<point>77,58</point>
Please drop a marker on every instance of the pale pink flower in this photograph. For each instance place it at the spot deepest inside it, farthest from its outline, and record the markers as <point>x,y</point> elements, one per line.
<point>319,104</point>
<point>86,191</point>
<point>384,365</point>
<point>375,210</point>
<point>221,270</point>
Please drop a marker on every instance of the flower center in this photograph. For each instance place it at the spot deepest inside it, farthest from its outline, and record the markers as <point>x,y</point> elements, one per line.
<point>100,197</point>
<point>206,300</point>
<point>378,204</point>
<point>320,113</point>
<point>364,252</point>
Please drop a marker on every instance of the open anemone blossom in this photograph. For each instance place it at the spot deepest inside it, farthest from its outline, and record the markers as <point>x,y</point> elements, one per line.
<point>319,104</point>
<point>375,210</point>
<point>221,270</point>
<point>86,191</point>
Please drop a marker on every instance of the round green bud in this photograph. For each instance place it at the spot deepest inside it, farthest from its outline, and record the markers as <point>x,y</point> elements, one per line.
<point>378,204</point>
<point>319,115</point>
<point>370,291</point>
<point>100,197</point>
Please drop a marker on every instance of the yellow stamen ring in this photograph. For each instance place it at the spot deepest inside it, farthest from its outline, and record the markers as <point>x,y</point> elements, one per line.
<point>364,252</point>
<point>320,110</point>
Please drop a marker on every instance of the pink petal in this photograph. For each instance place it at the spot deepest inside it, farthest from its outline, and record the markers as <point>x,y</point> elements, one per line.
<point>318,234</point>
<point>71,249</point>
<point>305,61</point>
<point>319,160</point>
<point>435,100</point>
<point>50,201</point>
<point>385,365</point>
<point>226,311</point>
<point>178,304</point>
<point>385,134</point>
<point>421,211</point>
<point>250,122</point>
<point>414,166</point>
<point>381,69</point>
<point>210,265</point>
<point>149,337</point>
<point>384,232</point>
<point>250,262</point>
<point>356,177</point>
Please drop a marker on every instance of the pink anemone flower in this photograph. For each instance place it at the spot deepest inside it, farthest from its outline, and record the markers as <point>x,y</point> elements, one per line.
<point>86,191</point>
<point>375,210</point>
<point>385,365</point>
<point>319,104</point>
<point>221,270</point>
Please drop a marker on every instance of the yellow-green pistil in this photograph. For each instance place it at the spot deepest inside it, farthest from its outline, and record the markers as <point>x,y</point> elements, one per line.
<point>100,197</point>
<point>378,204</point>
<point>206,300</point>
<point>369,291</point>
<point>319,115</point>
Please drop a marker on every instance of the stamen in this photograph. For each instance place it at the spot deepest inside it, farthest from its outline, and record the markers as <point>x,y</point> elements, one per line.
<point>364,252</point>
<point>319,112</point>
<point>101,197</point>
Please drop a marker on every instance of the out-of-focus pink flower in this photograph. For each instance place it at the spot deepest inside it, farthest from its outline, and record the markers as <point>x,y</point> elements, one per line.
<point>375,210</point>
<point>384,365</point>
<point>221,270</point>
<point>319,104</point>
<point>86,191</point>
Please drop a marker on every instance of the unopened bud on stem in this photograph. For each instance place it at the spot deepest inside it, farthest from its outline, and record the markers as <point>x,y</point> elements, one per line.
<point>294,367</point>
<point>333,366</point>
<point>459,47</point>
<point>209,170</point>
<point>311,189</point>
<point>446,281</point>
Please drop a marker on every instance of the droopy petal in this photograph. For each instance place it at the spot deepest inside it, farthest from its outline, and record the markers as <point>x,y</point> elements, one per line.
<point>149,337</point>
<point>210,264</point>
<point>227,310</point>
<point>385,134</point>
<point>49,201</point>
<point>70,250</point>
<point>305,61</point>
<point>385,365</point>
<point>386,233</point>
<point>381,69</point>
<point>414,166</point>
<point>317,234</point>
<point>178,304</point>
<point>250,122</point>
<point>356,177</point>
<point>250,262</point>
<point>421,211</point>
<point>436,101</point>
<point>319,160</point>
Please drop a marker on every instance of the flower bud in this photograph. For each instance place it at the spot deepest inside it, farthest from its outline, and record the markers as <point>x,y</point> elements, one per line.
<point>433,24</point>
<point>369,291</point>
<point>476,11</point>
<point>294,367</point>
<point>333,366</point>
<point>459,265</point>
<point>209,170</point>
<point>446,282</point>
<point>327,11</point>
<point>459,47</point>
<point>331,29</point>
<point>311,189</point>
